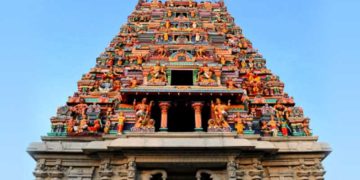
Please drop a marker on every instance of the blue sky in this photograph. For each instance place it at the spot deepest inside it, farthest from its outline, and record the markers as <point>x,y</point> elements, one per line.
<point>46,45</point>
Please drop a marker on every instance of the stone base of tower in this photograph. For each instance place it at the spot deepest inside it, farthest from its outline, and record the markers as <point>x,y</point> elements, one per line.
<point>173,156</point>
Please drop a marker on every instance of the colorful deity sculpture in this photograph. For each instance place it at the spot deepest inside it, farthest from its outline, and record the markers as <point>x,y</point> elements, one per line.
<point>142,109</point>
<point>83,125</point>
<point>280,110</point>
<point>121,121</point>
<point>133,82</point>
<point>96,127</point>
<point>220,110</point>
<point>230,84</point>
<point>206,74</point>
<point>274,127</point>
<point>306,128</point>
<point>107,126</point>
<point>239,124</point>
<point>157,73</point>
<point>284,128</point>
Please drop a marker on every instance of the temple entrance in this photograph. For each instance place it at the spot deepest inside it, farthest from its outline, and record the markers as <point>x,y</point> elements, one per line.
<point>181,117</point>
<point>182,78</point>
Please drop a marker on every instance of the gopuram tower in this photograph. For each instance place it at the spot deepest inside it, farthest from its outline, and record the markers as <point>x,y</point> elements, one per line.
<point>180,94</point>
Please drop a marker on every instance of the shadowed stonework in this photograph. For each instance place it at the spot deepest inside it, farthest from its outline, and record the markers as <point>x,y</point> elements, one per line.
<point>180,93</point>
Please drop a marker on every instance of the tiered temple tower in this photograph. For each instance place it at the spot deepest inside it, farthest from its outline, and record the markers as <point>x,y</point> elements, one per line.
<point>180,93</point>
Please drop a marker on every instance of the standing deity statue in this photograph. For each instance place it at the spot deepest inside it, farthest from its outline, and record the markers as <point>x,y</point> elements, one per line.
<point>121,121</point>
<point>220,114</point>
<point>239,124</point>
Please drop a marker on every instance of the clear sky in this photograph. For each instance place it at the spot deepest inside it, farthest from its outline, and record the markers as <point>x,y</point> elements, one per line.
<point>46,45</point>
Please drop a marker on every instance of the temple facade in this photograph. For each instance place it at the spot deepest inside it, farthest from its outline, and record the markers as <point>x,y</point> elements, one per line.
<point>180,94</point>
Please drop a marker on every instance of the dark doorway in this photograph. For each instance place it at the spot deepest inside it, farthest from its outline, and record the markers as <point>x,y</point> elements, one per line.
<point>182,78</point>
<point>205,176</point>
<point>181,117</point>
<point>157,177</point>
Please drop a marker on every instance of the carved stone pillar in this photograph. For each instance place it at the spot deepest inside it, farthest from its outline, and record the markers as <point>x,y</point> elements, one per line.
<point>164,106</point>
<point>198,122</point>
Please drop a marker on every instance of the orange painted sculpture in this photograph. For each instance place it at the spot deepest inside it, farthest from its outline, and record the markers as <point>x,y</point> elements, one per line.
<point>205,74</point>
<point>239,124</point>
<point>121,121</point>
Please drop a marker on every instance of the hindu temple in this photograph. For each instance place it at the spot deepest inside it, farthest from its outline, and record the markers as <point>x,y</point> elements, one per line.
<point>180,94</point>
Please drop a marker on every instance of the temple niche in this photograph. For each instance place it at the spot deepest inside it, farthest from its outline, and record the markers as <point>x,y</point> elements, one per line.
<point>180,93</point>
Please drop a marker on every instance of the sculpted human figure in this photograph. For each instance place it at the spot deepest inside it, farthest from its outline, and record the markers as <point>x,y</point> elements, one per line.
<point>133,82</point>
<point>157,73</point>
<point>107,127</point>
<point>273,125</point>
<point>230,84</point>
<point>80,108</point>
<point>239,124</point>
<point>83,125</point>
<point>206,74</point>
<point>142,109</point>
<point>95,128</point>
<point>200,51</point>
<point>306,128</point>
<point>71,123</point>
<point>280,110</point>
<point>220,112</point>
<point>121,121</point>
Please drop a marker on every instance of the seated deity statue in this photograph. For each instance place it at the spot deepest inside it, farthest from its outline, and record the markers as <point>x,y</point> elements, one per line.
<point>157,73</point>
<point>205,75</point>
<point>96,127</point>
<point>142,109</point>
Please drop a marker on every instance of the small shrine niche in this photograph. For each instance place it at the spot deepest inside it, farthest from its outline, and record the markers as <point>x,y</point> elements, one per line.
<point>182,77</point>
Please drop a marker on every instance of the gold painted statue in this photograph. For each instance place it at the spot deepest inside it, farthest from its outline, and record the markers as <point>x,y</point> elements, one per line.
<point>239,124</point>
